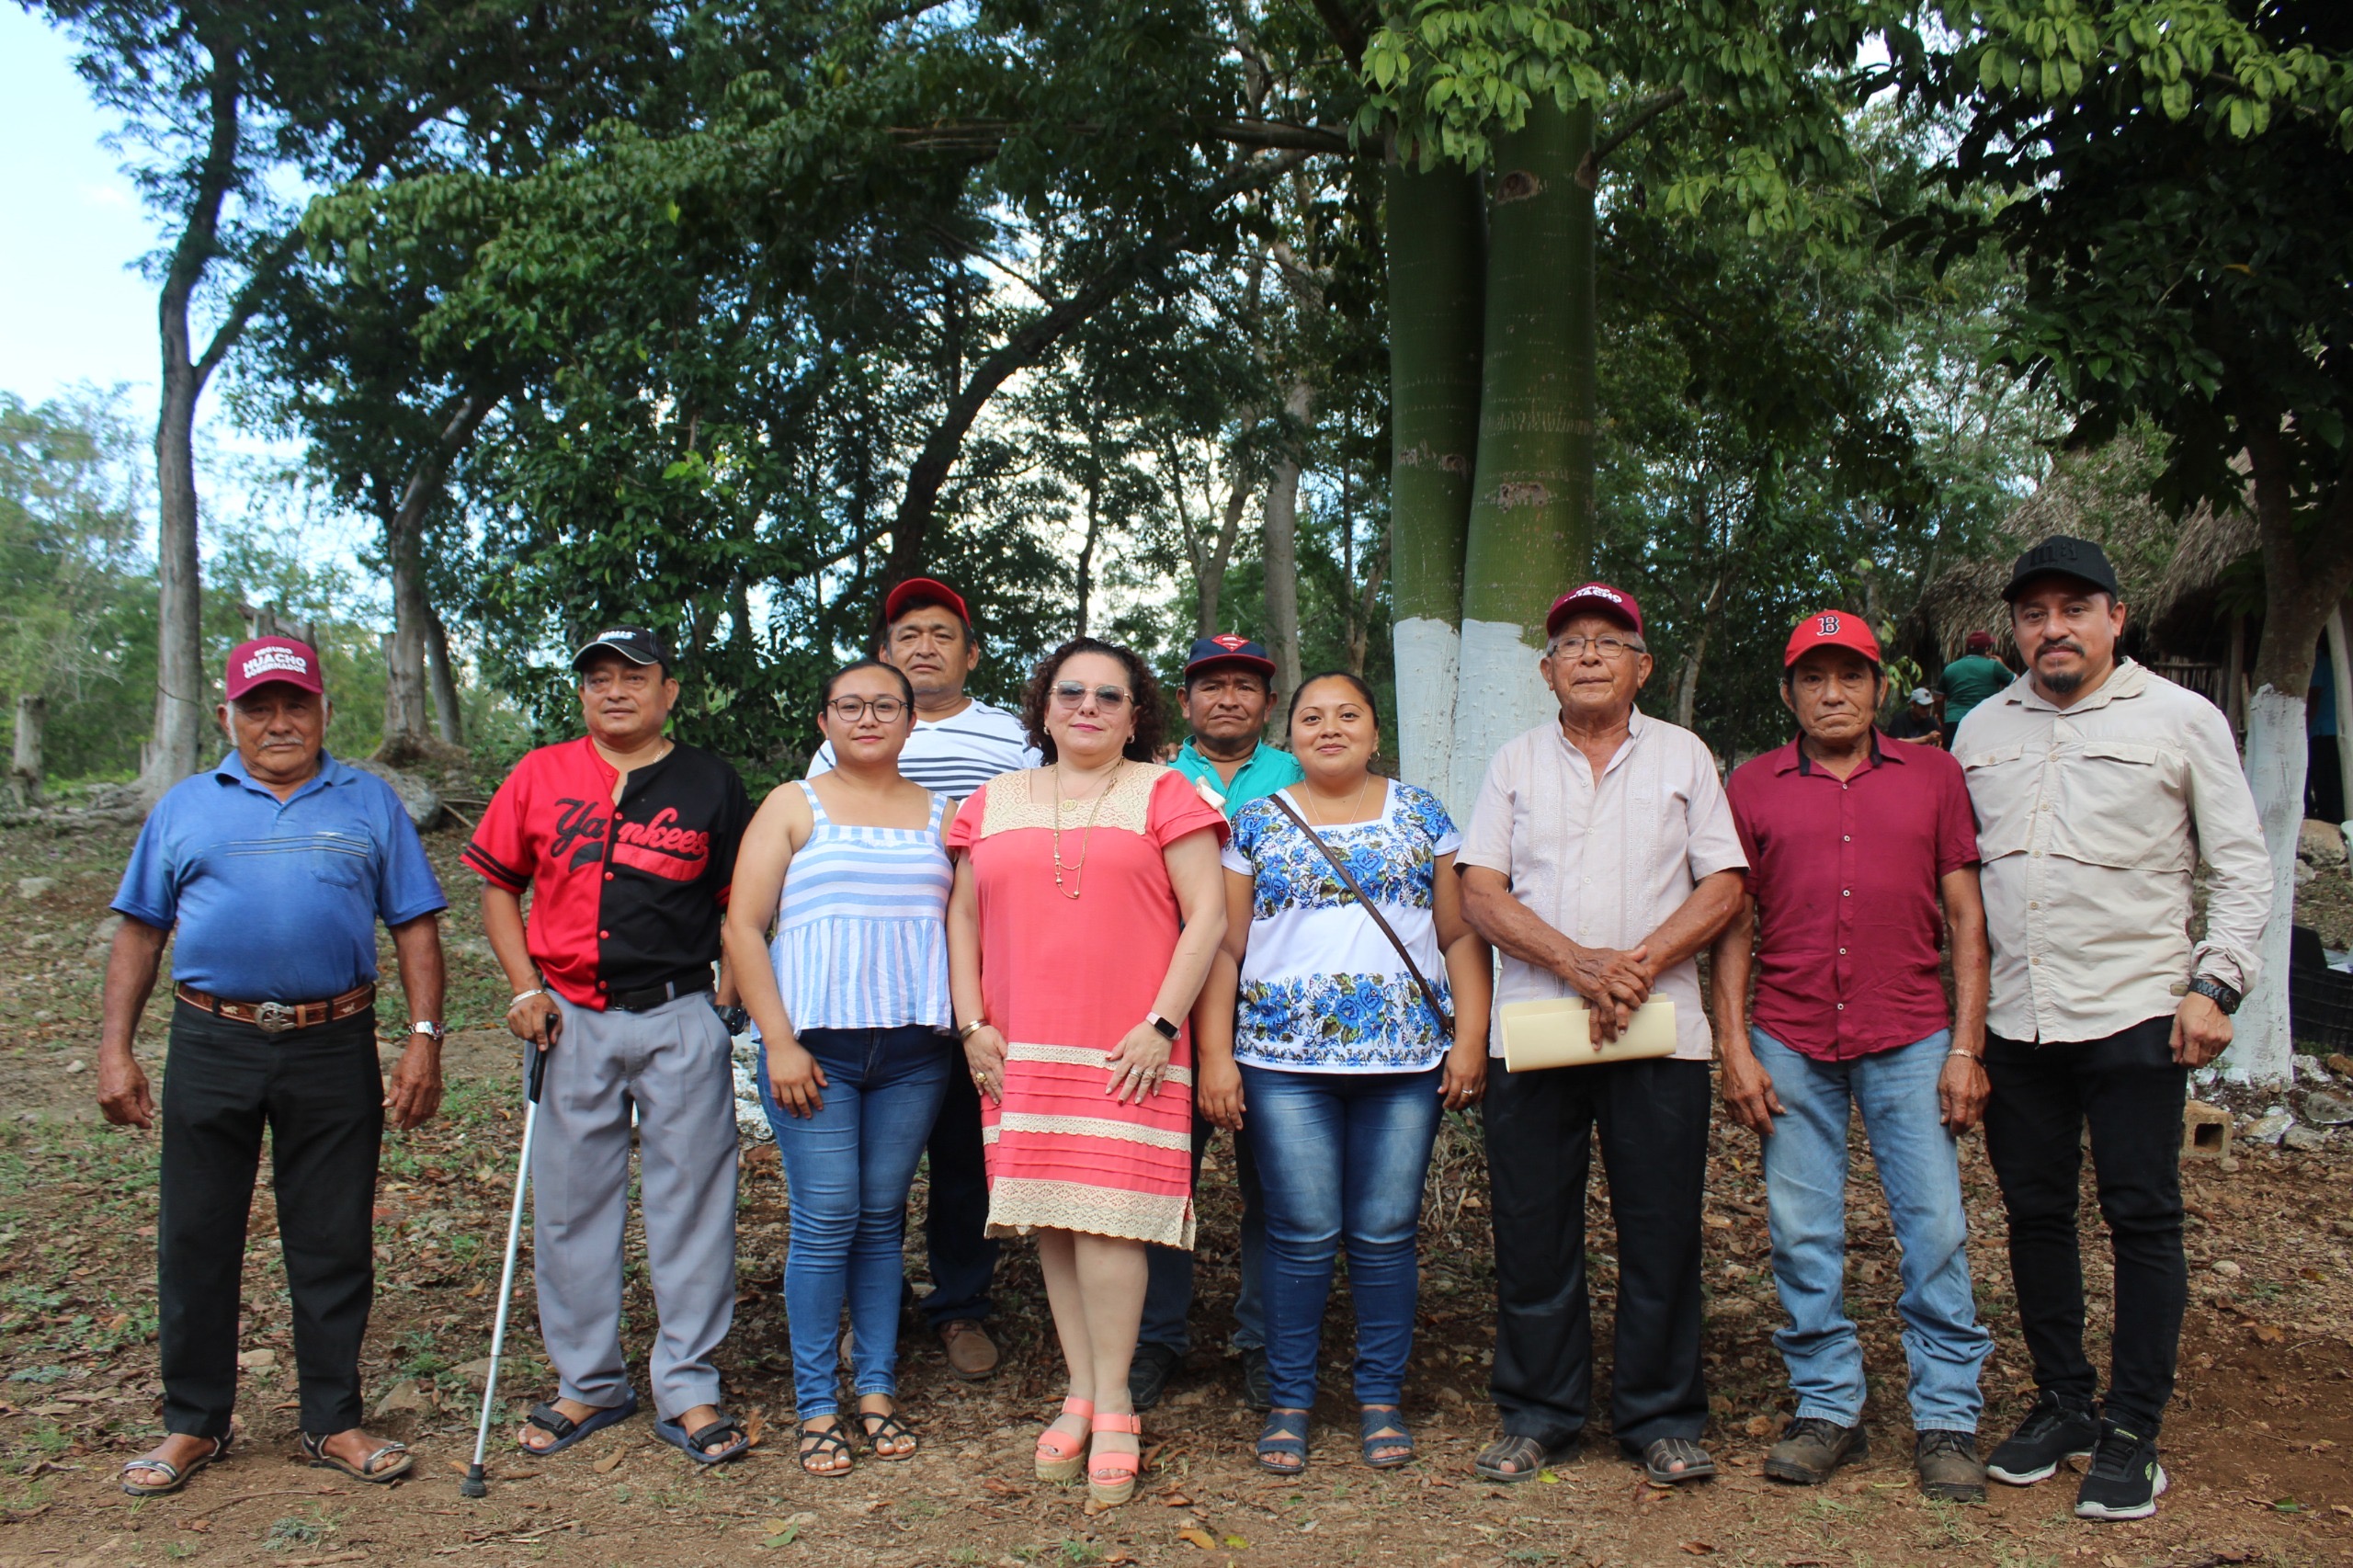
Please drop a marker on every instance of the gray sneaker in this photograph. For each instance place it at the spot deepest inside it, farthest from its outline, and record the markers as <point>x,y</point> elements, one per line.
<point>1810,1447</point>
<point>1949,1469</point>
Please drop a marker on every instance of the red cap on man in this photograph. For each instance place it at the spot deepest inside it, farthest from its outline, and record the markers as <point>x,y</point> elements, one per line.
<point>1977,642</point>
<point>1832,629</point>
<point>923,591</point>
<point>1594,599</point>
<point>266,659</point>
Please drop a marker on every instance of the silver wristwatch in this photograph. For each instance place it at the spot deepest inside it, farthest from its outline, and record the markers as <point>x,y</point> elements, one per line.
<point>437,1033</point>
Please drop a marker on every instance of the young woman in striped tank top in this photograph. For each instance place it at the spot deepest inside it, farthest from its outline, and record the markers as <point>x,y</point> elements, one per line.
<point>851,1003</point>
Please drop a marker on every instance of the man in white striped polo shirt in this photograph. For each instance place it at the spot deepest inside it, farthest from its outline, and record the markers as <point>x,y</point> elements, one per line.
<point>960,743</point>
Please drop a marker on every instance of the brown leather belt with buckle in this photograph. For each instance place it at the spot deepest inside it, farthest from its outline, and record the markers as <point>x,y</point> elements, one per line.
<point>277,1017</point>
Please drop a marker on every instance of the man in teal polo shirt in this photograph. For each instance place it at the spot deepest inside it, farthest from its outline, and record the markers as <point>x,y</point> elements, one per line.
<point>1229,687</point>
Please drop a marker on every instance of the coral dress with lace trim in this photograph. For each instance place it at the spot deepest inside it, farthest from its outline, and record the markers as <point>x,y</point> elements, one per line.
<point>1065,980</point>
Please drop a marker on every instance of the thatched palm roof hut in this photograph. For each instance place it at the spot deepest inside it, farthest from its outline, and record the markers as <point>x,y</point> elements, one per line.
<point>2186,582</point>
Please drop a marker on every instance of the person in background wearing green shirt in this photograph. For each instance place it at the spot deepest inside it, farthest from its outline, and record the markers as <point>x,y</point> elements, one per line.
<point>1229,690</point>
<point>1969,680</point>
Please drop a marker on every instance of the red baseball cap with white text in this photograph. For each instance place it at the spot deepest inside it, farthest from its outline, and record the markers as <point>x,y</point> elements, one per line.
<point>266,659</point>
<point>1594,599</point>
<point>1832,629</point>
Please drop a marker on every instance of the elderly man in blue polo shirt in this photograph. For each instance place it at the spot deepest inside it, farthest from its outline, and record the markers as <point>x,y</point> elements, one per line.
<point>273,867</point>
<point>1229,691</point>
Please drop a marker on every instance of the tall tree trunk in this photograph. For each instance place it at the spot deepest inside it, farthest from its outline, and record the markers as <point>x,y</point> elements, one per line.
<point>1281,548</point>
<point>1434,230</point>
<point>180,684</point>
<point>2341,671</point>
<point>448,712</point>
<point>404,649</point>
<point>2303,581</point>
<point>24,761</point>
<point>1086,549</point>
<point>1531,508</point>
<point>1219,554</point>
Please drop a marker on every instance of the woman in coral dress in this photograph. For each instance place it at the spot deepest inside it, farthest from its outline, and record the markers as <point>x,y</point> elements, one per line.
<point>1087,909</point>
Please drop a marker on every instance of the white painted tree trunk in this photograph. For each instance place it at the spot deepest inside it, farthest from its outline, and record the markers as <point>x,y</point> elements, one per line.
<point>1429,655</point>
<point>2341,667</point>
<point>1499,695</point>
<point>2261,1047</point>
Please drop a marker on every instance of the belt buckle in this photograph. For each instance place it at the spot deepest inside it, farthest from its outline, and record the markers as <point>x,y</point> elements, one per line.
<point>274,1017</point>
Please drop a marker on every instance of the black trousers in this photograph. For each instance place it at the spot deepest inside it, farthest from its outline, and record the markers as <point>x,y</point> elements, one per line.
<point>2128,1089</point>
<point>1653,1118</point>
<point>955,1214</point>
<point>320,1092</point>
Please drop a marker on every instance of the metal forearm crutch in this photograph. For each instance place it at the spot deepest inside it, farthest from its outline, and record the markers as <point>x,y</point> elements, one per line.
<point>474,1485</point>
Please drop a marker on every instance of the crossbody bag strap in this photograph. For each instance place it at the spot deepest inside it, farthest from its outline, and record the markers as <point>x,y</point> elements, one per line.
<point>1430,992</point>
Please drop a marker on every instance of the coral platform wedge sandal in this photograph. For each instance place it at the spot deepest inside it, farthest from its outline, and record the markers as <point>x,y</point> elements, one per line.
<point>1061,1456</point>
<point>1112,1479</point>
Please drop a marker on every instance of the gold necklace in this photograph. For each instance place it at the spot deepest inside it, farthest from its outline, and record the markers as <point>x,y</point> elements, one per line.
<point>1354,806</point>
<point>1086,840</point>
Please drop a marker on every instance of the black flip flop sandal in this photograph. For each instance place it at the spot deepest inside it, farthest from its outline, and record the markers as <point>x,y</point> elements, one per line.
<point>566,1431</point>
<point>882,1424</point>
<point>828,1443</point>
<point>315,1445</point>
<point>175,1477</point>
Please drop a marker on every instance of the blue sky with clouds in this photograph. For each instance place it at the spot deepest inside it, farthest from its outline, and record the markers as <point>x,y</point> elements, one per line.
<point>77,307</point>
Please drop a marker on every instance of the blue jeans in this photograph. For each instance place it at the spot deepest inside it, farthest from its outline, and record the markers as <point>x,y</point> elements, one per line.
<point>847,1170</point>
<point>1341,1157</point>
<point>1168,1287</point>
<point>1805,1189</point>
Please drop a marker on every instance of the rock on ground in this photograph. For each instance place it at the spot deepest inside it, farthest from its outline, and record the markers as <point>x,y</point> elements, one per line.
<point>417,797</point>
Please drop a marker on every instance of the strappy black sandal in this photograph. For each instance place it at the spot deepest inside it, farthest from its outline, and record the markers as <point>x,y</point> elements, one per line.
<point>175,1477</point>
<point>1665,1451</point>
<point>1526,1456</point>
<point>1380,1427</point>
<point>1282,1437</point>
<point>315,1445</point>
<point>826,1443</point>
<point>726,1430</point>
<point>881,1425</point>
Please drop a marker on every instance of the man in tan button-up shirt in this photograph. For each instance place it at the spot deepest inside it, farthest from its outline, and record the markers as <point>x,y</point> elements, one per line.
<point>2099,787</point>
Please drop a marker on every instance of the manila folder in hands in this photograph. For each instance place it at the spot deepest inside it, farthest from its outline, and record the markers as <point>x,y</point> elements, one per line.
<point>1556,1032</point>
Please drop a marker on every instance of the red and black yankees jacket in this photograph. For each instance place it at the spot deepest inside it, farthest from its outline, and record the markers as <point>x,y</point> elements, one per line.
<point>624,897</point>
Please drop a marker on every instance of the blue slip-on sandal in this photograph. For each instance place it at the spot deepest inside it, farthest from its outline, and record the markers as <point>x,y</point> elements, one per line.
<point>1283,1438</point>
<point>566,1431</point>
<point>1380,1426</point>
<point>726,1428</point>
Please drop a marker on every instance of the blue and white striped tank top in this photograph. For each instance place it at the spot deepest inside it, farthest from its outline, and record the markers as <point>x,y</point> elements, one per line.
<point>861,936</point>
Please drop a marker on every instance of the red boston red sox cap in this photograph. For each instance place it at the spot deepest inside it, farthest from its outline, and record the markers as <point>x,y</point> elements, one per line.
<point>267,659</point>
<point>1594,599</point>
<point>1831,629</point>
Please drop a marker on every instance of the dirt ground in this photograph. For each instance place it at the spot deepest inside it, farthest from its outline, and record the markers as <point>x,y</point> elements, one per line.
<point>2257,1441</point>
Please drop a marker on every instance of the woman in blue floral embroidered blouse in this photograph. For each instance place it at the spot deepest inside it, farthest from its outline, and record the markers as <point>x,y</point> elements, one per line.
<point>1315,1041</point>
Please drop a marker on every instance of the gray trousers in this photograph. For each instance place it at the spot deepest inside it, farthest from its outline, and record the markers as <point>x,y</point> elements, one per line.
<point>671,1064</point>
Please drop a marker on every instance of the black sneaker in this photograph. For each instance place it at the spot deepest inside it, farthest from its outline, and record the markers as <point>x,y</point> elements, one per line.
<point>2055,1429</point>
<point>1810,1447</point>
<point>1257,1383</point>
<point>1149,1372</point>
<point>2125,1479</point>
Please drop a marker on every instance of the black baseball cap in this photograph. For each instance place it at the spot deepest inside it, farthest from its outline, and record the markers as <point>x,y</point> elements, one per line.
<point>638,645</point>
<point>2061,556</point>
<point>1225,648</point>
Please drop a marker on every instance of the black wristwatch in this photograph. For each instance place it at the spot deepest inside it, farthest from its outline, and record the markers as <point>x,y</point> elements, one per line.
<point>1166,1028</point>
<point>2214,991</point>
<point>737,1020</point>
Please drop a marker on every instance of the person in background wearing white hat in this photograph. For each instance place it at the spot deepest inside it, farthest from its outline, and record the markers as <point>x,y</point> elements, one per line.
<point>1918,723</point>
<point>273,868</point>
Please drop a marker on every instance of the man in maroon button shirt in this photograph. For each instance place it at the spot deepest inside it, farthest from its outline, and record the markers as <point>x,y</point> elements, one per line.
<point>1861,850</point>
